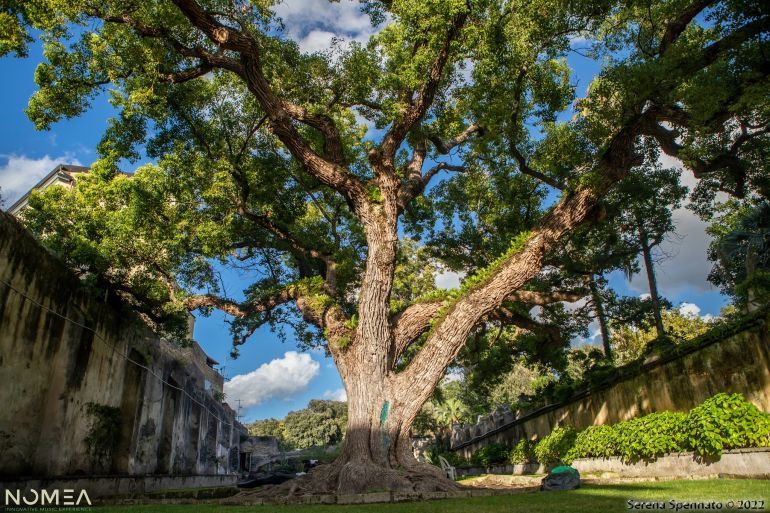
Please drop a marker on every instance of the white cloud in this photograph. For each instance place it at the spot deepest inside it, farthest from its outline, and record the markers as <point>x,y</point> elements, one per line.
<point>317,41</point>
<point>583,38</point>
<point>689,309</point>
<point>313,23</point>
<point>336,395</point>
<point>692,310</point>
<point>280,378</point>
<point>644,296</point>
<point>448,279</point>
<point>20,173</point>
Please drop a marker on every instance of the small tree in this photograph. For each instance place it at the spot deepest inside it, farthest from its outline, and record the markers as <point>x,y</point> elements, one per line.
<point>741,252</point>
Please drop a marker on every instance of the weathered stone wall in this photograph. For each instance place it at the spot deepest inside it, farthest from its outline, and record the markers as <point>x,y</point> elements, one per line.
<point>739,363</point>
<point>53,365</point>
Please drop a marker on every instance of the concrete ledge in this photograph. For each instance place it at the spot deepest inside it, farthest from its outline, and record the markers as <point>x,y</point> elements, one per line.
<point>363,498</point>
<point>734,463</point>
<point>516,470</point>
<point>120,486</point>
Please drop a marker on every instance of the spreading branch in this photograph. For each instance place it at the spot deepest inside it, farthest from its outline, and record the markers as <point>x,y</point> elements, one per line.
<point>237,309</point>
<point>419,106</point>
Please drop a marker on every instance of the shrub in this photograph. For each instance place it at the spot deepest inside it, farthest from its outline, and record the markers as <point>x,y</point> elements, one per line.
<point>593,442</point>
<point>726,422</point>
<point>492,454</point>
<point>554,447</point>
<point>650,436</point>
<point>453,458</point>
<point>523,452</point>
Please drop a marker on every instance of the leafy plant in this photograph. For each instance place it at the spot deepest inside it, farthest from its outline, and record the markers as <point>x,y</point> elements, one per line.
<point>104,431</point>
<point>593,442</point>
<point>494,453</point>
<point>553,448</point>
<point>726,422</point>
<point>650,436</point>
<point>453,458</point>
<point>523,452</point>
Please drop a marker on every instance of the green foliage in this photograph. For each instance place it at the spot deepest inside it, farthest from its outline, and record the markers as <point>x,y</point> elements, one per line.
<point>266,427</point>
<point>491,454</point>
<point>322,454</point>
<point>443,410</point>
<point>649,436</point>
<point>453,458</point>
<point>726,422</point>
<point>248,172</point>
<point>104,431</point>
<point>593,442</point>
<point>721,422</point>
<point>321,423</point>
<point>523,452</point>
<point>553,448</point>
<point>739,250</point>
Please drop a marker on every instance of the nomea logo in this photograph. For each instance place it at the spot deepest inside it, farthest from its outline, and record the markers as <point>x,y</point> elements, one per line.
<point>34,497</point>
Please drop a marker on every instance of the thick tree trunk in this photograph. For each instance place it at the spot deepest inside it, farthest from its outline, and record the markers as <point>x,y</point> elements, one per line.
<point>377,452</point>
<point>601,317</point>
<point>654,297</point>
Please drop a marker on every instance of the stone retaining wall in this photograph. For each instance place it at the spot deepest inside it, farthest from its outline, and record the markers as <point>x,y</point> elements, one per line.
<point>68,359</point>
<point>118,486</point>
<point>737,462</point>
<point>678,382</point>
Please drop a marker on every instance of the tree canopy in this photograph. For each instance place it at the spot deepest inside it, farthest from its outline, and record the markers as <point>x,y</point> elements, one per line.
<point>477,148</point>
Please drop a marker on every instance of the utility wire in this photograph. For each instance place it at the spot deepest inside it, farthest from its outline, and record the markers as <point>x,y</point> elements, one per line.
<point>116,350</point>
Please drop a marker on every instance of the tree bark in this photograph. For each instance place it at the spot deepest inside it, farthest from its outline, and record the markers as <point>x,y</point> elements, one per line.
<point>650,269</point>
<point>376,452</point>
<point>601,317</point>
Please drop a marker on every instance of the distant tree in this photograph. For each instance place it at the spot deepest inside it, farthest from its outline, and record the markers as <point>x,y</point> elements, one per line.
<point>266,427</point>
<point>583,360</point>
<point>519,381</point>
<point>740,251</point>
<point>321,423</point>
<point>630,342</point>
<point>645,202</point>
<point>446,408</point>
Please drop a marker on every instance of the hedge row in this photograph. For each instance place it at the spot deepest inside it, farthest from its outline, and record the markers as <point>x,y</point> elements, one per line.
<point>719,423</point>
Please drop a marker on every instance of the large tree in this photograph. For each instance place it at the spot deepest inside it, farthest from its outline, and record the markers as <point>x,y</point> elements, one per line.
<point>260,163</point>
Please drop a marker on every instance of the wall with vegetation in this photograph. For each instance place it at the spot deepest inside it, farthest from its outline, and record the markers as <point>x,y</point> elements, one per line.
<point>733,359</point>
<point>73,403</point>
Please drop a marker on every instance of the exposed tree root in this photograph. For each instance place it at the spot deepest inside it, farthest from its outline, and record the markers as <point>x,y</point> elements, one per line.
<point>353,478</point>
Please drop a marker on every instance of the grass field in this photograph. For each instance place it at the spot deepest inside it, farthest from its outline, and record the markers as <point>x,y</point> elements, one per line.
<point>590,498</point>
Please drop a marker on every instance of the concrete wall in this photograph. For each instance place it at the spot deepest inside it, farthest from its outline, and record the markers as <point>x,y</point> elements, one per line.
<point>116,486</point>
<point>51,368</point>
<point>737,363</point>
<point>754,463</point>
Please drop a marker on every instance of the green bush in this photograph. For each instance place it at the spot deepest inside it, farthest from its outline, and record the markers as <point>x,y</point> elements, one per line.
<point>453,458</point>
<point>721,422</point>
<point>650,436</point>
<point>593,442</point>
<point>553,448</point>
<point>726,422</point>
<point>522,453</point>
<point>492,454</point>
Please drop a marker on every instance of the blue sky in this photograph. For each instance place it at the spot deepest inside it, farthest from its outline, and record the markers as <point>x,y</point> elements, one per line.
<point>269,376</point>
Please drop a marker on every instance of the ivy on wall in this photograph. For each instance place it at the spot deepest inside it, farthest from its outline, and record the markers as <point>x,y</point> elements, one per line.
<point>104,432</point>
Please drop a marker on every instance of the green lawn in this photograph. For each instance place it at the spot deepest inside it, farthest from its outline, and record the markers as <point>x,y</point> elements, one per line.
<point>589,498</point>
